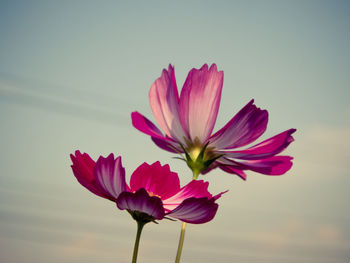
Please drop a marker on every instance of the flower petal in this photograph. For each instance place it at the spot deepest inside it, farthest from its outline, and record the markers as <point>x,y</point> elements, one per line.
<point>231,170</point>
<point>156,179</point>
<point>195,210</point>
<point>83,170</point>
<point>216,197</point>
<point>142,202</point>
<point>110,176</point>
<point>167,145</point>
<point>200,101</point>
<point>144,125</point>
<point>245,127</point>
<point>195,188</point>
<point>275,165</point>
<point>164,101</point>
<point>267,148</point>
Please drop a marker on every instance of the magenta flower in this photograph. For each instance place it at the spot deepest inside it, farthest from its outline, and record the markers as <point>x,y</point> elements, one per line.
<point>188,122</point>
<point>154,190</point>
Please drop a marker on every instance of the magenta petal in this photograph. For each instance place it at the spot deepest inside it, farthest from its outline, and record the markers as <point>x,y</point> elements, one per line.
<point>145,125</point>
<point>195,188</point>
<point>267,148</point>
<point>245,127</point>
<point>195,210</point>
<point>231,170</point>
<point>216,197</point>
<point>276,165</point>
<point>164,101</point>
<point>110,176</point>
<point>83,170</point>
<point>167,145</point>
<point>200,101</point>
<point>156,179</point>
<point>140,201</point>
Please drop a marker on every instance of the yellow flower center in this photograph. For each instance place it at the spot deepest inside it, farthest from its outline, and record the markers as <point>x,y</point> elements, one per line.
<point>194,152</point>
<point>199,157</point>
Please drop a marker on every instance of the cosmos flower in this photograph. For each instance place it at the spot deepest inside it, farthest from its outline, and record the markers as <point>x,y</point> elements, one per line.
<point>188,121</point>
<point>154,191</point>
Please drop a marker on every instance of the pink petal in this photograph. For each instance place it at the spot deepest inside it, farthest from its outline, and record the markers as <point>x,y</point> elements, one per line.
<point>83,170</point>
<point>156,179</point>
<point>195,210</point>
<point>167,145</point>
<point>110,176</point>
<point>216,197</point>
<point>145,125</point>
<point>164,101</point>
<point>276,165</point>
<point>245,127</point>
<point>200,101</point>
<point>231,170</point>
<point>140,201</point>
<point>195,188</point>
<point>267,148</point>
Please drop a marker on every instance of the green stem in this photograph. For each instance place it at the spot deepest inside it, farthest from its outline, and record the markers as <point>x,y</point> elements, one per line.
<point>137,241</point>
<point>181,242</point>
<point>196,173</point>
<point>183,228</point>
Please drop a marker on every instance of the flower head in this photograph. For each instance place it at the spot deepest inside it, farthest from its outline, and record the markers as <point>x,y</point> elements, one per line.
<point>154,190</point>
<point>188,121</point>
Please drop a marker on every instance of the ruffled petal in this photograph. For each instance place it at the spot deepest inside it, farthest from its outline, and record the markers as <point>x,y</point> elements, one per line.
<point>195,188</point>
<point>245,127</point>
<point>267,148</point>
<point>141,201</point>
<point>195,210</point>
<point>83,170</point>
<point>156,179</point>
<point>110,176</point>
<point>200,101</point>
<point>164,101</point>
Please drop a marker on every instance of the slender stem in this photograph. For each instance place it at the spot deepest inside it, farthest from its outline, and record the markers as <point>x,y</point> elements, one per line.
<point>196,173</point>
<point>181,242</point>
<point>183,228</point>
<point>137,241</point>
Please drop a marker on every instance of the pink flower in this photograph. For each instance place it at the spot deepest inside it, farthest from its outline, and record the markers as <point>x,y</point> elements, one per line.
<point>154,190</point>
<point>188,122</point>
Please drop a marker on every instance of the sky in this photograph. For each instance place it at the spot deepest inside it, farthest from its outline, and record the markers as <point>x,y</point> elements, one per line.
<point>71,72</point>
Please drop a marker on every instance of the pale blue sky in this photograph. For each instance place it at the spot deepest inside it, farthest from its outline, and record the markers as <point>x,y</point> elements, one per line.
<point>71,72</point>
